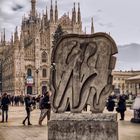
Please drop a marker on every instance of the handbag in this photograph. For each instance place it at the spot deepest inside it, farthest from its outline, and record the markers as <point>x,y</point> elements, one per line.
<point>117,109</point>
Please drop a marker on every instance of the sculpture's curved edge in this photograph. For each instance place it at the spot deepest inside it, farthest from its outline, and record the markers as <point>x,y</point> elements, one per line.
<point>98,34</point>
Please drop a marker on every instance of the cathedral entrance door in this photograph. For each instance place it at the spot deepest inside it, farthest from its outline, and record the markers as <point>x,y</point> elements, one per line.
<point>29,89</point>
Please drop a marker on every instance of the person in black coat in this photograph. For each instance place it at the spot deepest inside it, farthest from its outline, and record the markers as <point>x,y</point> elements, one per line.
<point>110,104</point>
<point>121,107</point>
<point>44,107</point>
<point>28,103</point>
<point>5,101</point>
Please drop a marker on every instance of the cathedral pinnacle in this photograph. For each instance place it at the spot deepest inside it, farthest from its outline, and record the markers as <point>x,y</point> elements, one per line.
<point>16,34</point>
<point>92,26</point>
<point>56,12</point>
<point>74,15</point>
<point>46,15</point>
<point>4,36</point>
<point>79,14</point>
<point>51,13</point>
<point>85,30</point>
<point>33,6</point>
<point>43,21</point>
<point>11,39</point>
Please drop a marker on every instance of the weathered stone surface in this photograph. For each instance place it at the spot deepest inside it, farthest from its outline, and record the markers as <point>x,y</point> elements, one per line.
<point>136,107</point>
<point>80,126</point>
<point>82,74</point>
<point>84,116</point>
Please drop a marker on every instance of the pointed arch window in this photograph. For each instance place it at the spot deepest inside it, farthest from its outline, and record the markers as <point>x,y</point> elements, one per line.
<point>44,57</point>
<point>44,72</point>
<point>29,72</point>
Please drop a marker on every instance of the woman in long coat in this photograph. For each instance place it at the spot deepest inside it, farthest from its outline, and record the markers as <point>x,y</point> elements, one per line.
<point>122,107</point>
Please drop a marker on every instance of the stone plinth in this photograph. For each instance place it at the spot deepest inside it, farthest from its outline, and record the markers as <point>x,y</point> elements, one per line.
<point>136,107</point>
<point>83,126</point>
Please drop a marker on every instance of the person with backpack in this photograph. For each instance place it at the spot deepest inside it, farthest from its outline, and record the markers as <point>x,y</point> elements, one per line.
<point>44,106</point>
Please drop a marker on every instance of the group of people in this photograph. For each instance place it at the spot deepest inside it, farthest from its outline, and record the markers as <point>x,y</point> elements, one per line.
<point>121,105</point>
<point>30,104</point>
<point>44,106</point>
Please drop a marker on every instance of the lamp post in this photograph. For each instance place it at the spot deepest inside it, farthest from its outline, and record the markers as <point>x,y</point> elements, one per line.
<point>24,78</point>
<point>37,71</point>
<point>52,69</point>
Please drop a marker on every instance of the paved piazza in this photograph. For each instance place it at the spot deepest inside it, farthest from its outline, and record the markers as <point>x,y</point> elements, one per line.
<point>14,130</point>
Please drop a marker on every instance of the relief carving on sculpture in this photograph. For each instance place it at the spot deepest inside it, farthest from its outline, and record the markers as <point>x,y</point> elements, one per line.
<point>82,72</point>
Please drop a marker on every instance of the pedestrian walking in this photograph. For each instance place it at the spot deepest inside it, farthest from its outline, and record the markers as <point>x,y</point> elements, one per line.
<point>5,101</point>
<point>121,108</point>
<point>28,108</point>
<point>44,107</point>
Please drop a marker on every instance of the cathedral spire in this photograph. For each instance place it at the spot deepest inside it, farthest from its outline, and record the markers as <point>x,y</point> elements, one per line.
<point>3,42</point>
<point>16,35</point>
<point>51,13</point>
<point>85,30</point>
<point>56,12</point>
<point>1,37</point>
<point>4,36</point>
<point>33,6</point>
<point>46,14</point>
<point>79,14</point>
<point>92,26</point>
<point>74,15</point>
<point>43,21</point>
<point>12,39</point>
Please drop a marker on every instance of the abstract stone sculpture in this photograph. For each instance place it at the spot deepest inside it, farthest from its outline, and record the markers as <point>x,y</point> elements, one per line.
<point>82,72</point>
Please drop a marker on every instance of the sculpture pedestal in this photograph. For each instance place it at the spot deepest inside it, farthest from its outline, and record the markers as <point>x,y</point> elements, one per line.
<point>83,126</point>
<point>136,118</point>
<point>136,107</point>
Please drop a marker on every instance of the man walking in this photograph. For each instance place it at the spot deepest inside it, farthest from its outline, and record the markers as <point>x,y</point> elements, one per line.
<point>44,107</point>
<point>28,103</point>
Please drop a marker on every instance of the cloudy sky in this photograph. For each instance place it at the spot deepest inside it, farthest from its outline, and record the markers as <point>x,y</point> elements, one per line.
<point>119,17</point>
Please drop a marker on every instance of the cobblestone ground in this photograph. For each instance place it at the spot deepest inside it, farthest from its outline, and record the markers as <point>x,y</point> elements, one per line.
<point>14,130</point>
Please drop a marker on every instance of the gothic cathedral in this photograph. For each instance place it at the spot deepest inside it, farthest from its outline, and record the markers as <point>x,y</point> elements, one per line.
<point>26,58</point>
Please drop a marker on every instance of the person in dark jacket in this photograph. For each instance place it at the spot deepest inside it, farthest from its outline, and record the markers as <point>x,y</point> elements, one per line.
<point>28,103</point>
<point>110,104</point>
<point>121,107</point>
<point>5,101</point>
<point>44,107</point>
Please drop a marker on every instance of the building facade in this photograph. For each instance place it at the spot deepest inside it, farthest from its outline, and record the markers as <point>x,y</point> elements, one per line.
<point>123,84</point>
<point>26,58</point>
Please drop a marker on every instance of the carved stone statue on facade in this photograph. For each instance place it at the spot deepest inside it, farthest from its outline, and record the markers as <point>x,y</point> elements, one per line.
<point>82,72</point>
